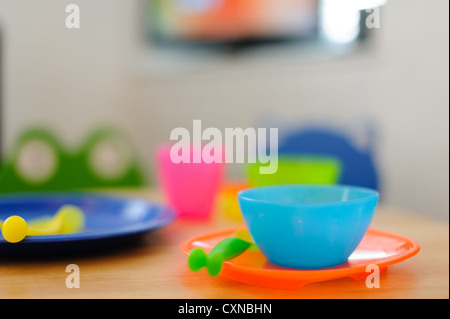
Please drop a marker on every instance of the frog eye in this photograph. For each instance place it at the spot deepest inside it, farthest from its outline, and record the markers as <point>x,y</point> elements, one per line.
<point>36,161</point>
<point>109,158</point>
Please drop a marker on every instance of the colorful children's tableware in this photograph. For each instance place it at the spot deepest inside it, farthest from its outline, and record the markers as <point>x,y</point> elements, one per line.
<point>307,226</point>
<point>378,248</point>
<point>69,219</point>
<point>14,229</point>
<point>228,201</point>
<point>109,221</point>
<point>227,249</point>
<point>358,163</point>
<point>294,169</point>
<point>191,188</point>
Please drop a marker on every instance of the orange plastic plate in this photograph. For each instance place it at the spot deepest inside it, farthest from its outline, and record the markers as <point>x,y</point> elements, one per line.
<point>377,247</point>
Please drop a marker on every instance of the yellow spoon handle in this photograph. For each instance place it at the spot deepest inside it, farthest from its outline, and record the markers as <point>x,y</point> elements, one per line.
<point>43,231</point>
<point>40,222</point>
<point>52,227</point>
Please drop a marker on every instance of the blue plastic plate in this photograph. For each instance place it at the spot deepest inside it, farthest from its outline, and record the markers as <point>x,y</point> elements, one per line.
<point>109,220</point>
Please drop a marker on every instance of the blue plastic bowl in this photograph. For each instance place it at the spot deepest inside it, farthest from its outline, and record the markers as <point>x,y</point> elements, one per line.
<point>307,226</point>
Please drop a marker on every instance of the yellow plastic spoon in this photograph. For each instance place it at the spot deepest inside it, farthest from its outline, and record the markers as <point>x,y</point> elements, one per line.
<point>40,221</point>
<point>69,219</point>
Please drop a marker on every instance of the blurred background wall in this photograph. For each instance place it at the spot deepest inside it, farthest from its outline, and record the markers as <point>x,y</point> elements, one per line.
<point>105,72</point>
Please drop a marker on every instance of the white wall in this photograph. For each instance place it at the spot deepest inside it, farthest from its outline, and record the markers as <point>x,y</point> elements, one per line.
<point>73,79</point>
<point>68,79</point>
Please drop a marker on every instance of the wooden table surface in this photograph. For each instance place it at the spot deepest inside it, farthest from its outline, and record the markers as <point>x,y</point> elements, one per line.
<point>155,268</point>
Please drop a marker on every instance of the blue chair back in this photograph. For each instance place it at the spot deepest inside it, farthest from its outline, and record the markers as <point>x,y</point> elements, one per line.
<point>358,167</point>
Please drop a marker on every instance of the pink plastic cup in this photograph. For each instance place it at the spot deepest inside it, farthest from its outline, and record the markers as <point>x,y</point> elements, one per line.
<point>191,188</point>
